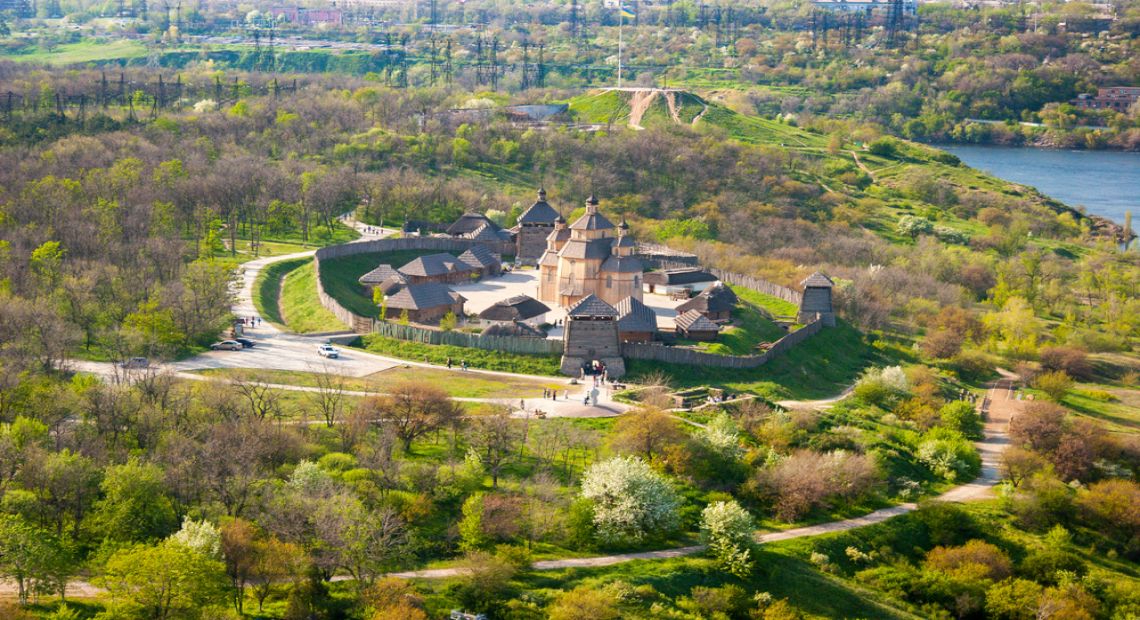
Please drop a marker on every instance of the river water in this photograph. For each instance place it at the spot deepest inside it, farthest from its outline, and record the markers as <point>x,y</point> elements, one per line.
<point>1106,183</point>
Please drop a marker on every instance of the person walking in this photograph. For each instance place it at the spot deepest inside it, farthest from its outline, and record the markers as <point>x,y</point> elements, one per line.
<point>449,362</point>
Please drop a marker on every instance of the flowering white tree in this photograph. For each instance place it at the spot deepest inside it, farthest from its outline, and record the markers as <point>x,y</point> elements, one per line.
<point>629,500</point>
<point>200,536</point>
<point>722,436</point>
<point>727,529</point>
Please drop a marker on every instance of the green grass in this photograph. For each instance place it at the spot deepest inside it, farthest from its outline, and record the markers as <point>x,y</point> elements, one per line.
<point>819,367</point>
<point>456,383</point>
<point>340,277</point>
<point>301,310</point>
<point>1117,408</point>
<point>542,365</point>
<point>749,328</point>
<point>774,305</point>
<point>600,107</point>
<point>84,51</point>
<point>267,288</point>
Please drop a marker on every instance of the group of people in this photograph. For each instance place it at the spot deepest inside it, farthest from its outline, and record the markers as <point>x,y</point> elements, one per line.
<point>462,364</point>
<point>249,321</point>
<point>552,394</point>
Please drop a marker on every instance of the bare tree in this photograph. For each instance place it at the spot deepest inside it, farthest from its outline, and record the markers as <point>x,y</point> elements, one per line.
<point>263,401</point>
<point>330,394</point>
<point>495,438</point>
<point>414,410</point>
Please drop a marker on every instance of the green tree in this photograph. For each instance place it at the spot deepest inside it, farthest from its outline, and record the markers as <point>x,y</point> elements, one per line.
<point>1056,384</point>
<point>32,557</point>
<point>135,505</point>
<point>167,581</point>
<point>448,322</point>
<point>471,536</point>
<point>962,416</point>
<point>1013,599</point>
<point>727,529</point>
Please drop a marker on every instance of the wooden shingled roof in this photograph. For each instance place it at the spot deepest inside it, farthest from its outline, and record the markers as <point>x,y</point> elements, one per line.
<point>694,321</point>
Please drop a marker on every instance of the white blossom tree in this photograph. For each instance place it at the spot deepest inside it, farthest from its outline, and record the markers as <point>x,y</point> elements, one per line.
<point>630,500</point>
<point>727,529</point>
<point>201,536</point>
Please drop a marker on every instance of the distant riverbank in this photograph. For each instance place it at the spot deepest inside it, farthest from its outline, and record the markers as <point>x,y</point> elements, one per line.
<point>1105,183</point>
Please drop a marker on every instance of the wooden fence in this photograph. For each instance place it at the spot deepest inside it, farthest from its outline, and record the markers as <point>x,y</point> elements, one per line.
<point>736,279</point>
<point>677,355</point>
<point>508,344</point>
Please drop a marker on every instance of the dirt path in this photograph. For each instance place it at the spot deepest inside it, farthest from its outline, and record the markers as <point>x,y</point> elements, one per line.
<point>639,102</point>
<point>1001,403</point>
<point>671,101</point>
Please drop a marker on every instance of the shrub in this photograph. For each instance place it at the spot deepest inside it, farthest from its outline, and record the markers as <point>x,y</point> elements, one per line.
<point>962,416</point>
<point>943,343</point>
<point>630,500</point>
<point>584,602</point>
<point>1013,599</point>
<point>808,480</point>
<point>945,523</point>
<point>1039,426</point>
<point>976,557</point>
<point>727,529</point>
<point>1072,361</point>
<point>949,455</point>
<point>884,147</point>
<point>1055,384</point>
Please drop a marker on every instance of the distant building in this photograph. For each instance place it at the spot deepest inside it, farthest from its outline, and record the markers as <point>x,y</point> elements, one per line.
<point>519,308</point>
<point>817,300</point>
<point>669,281</point>
<point>715,303</point>
<point>513,329</point>
<point>482,261</point>
<point>374,278</point>
<point>589,259</point>
<point>424,303</point>
<point>308,17</point>
<point>1116,98</point>
<point>534,226</point>
<point>592,336</point>
<point>636,321</point>
<point>440,267</point>
<point>693,325</point>
<point>869,7</point>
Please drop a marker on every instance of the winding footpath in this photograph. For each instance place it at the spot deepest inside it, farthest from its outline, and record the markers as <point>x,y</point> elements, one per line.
<point>1001,400</point>
<point>1002,406</point>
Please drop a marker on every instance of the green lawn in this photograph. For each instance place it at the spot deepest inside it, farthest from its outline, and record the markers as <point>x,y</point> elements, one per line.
<point>821,366</point>
<point>749,328</point>
<point>455,382</point>
<point>476,358</point>
<point>84,51</point>
<point>774,305</point>
<point>301,310</point>
<point>1117,408</point>
<point>267,288</point>
<point>340,277</point>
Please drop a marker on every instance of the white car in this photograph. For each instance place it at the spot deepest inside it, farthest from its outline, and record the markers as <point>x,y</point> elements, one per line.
<point>329,351</point>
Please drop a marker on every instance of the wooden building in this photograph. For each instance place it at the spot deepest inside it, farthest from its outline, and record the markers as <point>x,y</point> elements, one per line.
<point>482,261</point>
<point>714,303</point>
<point>671,281</point>
<point>693,325</point>
<point>534,226</point>
<point>425,303</point>
<point>592,257</point>
<point>636,321</point>
<point>816,301</point>
<point>520,308</point>
<point>442,267</point>
<point>592,336</point>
